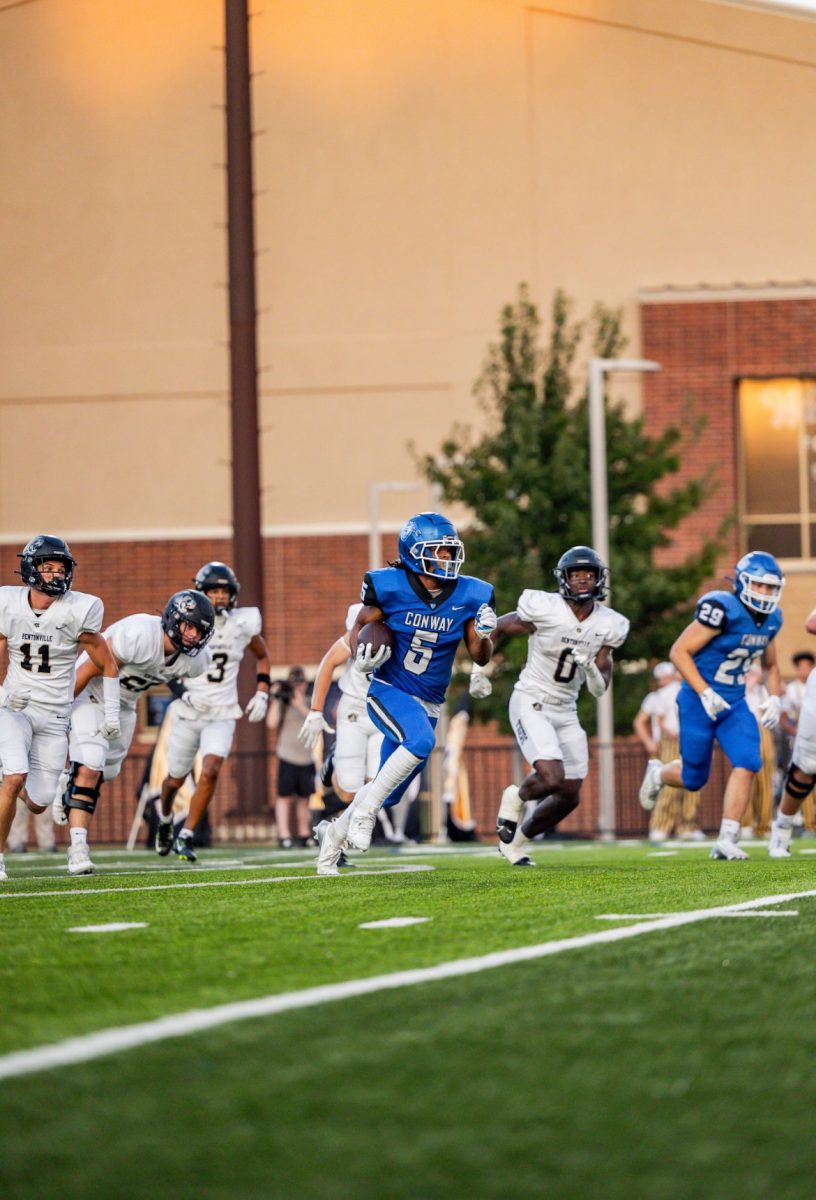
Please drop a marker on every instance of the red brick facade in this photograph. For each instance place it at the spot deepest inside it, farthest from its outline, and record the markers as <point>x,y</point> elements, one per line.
<point>705,347</point>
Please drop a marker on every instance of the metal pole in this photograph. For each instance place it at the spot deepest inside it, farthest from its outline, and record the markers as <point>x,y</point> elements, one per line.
<point>375,488</point>
<point>598,367</point>
<point>246,489</point>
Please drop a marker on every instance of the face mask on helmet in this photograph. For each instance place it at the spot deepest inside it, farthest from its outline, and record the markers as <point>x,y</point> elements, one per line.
<point>218,575</point>
<point>191,608</point>
<point>45,548</point>
<point>582,558</point>
<point>430,545</point>
<point>759,568</point>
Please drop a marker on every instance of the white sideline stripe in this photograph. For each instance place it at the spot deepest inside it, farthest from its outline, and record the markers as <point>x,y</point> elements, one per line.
<point>393,922</point>
<point>407,869</point>
<point>788,912</point>
<point>113,927</point>
<point>128,1037</point>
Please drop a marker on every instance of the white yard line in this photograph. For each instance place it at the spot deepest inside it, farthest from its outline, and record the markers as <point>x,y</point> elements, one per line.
<point>393,923</point>
<point>111,927</point>
<point>407,869</point>
<point>128,1037</point>
<point>787,912</point>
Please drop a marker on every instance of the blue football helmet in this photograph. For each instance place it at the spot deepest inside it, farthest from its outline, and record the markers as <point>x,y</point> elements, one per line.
<point>759,567</point>
<point>420,539</point>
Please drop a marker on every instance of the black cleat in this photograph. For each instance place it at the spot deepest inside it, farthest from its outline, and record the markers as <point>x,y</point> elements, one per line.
<point>506,830</point>
<point>327,770</point>
<point>164,838</point>
<point>183,847</point>
<point>343,863</point>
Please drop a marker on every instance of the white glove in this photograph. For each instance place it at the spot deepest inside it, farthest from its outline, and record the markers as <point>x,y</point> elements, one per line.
<point>17,698</point>
<point>713,703</point>
<point>110,730</point>
<point>256,709</point>
<point>486,621</point>
<point>480,686</point>
<point>193,703</point>
<point>769,712</point>
<point>368,659</point>
<point>311,729</point>
<point>582,656</point>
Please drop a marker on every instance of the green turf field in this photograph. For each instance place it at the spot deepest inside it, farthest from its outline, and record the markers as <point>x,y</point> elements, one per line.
<point>674,1062</point>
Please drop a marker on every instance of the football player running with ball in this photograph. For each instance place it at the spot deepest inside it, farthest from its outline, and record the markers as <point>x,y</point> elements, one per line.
<point>571,638</point>
<point>429,608</point>
<point>147,650</point>
<point>204,718</point>
<point>713,655</point>
<point>45,626</point>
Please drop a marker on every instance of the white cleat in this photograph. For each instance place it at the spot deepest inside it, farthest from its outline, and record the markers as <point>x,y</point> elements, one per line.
<point>515,855</point>
<point>79,861</point>
<point>779,847</point>
<point>728,850</point>
<point>59,813</point>
<point>361,826</point>
<point>3,875</point>
<point>651,785</point>
<point>330,849</point>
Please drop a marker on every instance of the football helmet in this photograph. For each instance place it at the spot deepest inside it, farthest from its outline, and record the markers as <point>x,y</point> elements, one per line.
<point>424,534</point>
<point>195,609</point>
<point>38,550</point>
<point>579,558</point>
<point>218,575</point>
<point>759,567</point>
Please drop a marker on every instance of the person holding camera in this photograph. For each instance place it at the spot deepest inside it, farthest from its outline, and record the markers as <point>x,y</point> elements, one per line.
<point>296,772</point>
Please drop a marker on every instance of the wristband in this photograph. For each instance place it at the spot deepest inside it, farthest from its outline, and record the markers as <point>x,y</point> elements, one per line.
<point>110,697</point>
<point>264,677</point>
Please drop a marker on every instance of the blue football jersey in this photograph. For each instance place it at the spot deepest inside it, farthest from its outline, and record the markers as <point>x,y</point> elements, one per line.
<point>427,629</point>
<point>742,637</point>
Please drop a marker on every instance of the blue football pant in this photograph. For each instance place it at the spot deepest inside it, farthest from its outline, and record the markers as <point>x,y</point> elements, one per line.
<point>403,722</point>
<point>736,731</point>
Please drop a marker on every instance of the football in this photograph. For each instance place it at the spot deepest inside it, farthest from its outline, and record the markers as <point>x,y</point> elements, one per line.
<point>376,634</point>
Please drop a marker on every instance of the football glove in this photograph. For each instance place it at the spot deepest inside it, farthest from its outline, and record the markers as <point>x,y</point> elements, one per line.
<point>110,730</point>
<point>368,659</point>
<point>480,686</point>
<point>713,703</point>
<point>486,621</point>
<point>582,656</point>
<point>256,709</point>
<point>312,728</point>
<point>769,712</point>
<point>16,698</point>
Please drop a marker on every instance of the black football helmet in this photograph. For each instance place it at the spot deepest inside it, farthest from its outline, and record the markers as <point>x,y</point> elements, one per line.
<point>581,558</point>
<point>195,609</point>
<point>218,575</point>
<point>38,550</point>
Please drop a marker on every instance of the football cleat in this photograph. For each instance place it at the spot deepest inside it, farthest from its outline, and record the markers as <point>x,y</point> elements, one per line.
<point>343,863</point>
<point>79,860</point>
<point>651,785</point>
<point>183,847</point>
<point>331,849</point>
<point>361,826</point>
<point>779,843</point>
<point>3,875</point>
<point>728,850</point>
<point>164,838</point>
<point>515,856</point>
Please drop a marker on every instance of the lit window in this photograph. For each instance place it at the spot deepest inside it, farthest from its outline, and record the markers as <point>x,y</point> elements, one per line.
<point>778,466</point>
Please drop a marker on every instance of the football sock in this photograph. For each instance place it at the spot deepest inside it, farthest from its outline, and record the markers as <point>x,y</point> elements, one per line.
<point>729,830</point>
<point>341,823</point>
<point>164,820</point>
<point>394,771</point>
<point>79,837</point>
<point>784,820</point>
<point>186,832</point>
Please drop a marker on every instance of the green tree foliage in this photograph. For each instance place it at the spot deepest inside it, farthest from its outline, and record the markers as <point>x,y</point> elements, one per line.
<point>526,481</point>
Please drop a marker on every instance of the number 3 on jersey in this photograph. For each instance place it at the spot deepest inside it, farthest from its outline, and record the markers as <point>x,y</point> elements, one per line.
<point>420,652</point>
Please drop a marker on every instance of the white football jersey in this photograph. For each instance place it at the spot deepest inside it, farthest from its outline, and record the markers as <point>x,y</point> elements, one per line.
<point>218,688</point>
<point>138,644</point>
<point>551,672</point>
<point>43,647</point>
<point>353,683</point>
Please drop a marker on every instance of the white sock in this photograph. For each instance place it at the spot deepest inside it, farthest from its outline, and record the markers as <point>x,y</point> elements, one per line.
<point>729,831</point>
<point>187,832</point>
<point>784,820</point>
<point>164,820</point>
<point>340,824</point>
<point>79,837</point>
<point>519,838</point>
<point>394,771</point>
<point>781,834</point>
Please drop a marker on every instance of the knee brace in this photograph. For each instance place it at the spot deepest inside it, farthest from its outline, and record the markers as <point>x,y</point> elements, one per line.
<point>83,798</point>
<point>797,787</point>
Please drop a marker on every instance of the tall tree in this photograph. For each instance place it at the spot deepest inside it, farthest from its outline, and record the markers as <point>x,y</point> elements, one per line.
<point>526,481</point>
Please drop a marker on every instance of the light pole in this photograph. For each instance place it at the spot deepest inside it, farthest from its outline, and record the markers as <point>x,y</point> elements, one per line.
<point>598,369</point>
<point>375,490</point>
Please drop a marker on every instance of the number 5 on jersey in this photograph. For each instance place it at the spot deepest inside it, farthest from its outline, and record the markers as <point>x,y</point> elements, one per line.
<point>420,652</point>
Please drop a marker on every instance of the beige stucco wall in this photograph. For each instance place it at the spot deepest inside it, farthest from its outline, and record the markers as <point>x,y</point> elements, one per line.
<point>418,159</point>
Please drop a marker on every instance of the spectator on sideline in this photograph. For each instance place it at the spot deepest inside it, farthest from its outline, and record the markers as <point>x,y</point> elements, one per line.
<point>296,772</point>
